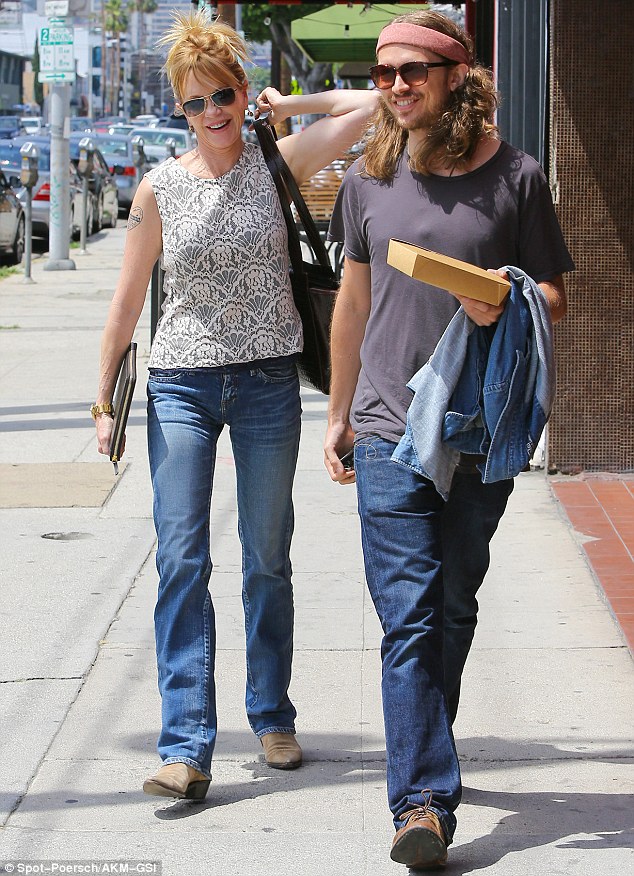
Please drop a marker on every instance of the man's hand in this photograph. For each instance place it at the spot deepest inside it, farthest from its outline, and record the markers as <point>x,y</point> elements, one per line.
<point>479,311</point>
<point>339,440</point>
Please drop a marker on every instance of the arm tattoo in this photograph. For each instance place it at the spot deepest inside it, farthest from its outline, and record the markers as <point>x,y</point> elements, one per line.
<point>135,218</point>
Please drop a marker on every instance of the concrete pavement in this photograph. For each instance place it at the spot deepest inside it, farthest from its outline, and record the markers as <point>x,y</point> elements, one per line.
<point>545,726</point>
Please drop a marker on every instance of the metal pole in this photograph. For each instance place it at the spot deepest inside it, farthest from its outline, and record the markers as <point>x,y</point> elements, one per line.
<point>84,216</point>
<point>59,231</point>
<point>28,236</point>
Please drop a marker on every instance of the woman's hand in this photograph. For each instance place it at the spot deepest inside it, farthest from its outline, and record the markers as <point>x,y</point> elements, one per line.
<point>271,102</point>
<point>104,424</point>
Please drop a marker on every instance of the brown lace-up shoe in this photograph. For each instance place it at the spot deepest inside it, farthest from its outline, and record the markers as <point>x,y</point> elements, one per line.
<point>177,780</point>
<point>420,843</point>
<point>281,751</point>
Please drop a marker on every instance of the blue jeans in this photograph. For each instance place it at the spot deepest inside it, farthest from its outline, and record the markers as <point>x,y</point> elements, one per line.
<point>400,515</point>
<point>187,410</point>
<point>469,520</point>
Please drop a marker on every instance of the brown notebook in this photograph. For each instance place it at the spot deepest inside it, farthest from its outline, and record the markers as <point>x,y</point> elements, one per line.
<point>122,400</point>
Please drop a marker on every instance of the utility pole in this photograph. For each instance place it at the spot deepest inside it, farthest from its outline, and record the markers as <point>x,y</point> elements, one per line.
<point>59,231</point>
<point>227,13</point>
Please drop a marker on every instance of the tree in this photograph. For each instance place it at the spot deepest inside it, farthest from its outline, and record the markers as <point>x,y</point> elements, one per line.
<point>142,8</point>
<point>311,77</point>
<point>38,90</point>
<point>116,22</point>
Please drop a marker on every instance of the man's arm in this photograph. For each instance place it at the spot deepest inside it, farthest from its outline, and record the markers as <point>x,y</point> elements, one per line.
<point>348,329</point>
<point>486,314</point>
<point>555,292</point>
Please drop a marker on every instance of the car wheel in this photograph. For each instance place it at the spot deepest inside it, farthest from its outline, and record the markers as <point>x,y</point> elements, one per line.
<point>89,218</point>
<point>17,250</point>
<point>97,221</point>
<point>114,215</point>
<point>73,229</point>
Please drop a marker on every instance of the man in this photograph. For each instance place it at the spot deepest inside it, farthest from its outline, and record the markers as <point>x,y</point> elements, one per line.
<point>434,173</point>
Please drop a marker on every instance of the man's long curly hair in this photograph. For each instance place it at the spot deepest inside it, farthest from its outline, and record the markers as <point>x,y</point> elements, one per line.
<point>209,49</point>
<point>452,141</point>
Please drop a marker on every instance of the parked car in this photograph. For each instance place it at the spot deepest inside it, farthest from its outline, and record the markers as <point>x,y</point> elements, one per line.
<point>11,162</point>
<point>155,141</point>
<point>119,129</point>
<point>170,122</point>
<point>144,119</point>
<point>31,125</point>
<point>9,126</point>
<point>101,185</point>
<point>81,123</point>
<point>125,161</point>
<point>11,223</point>
<point>102,126</point>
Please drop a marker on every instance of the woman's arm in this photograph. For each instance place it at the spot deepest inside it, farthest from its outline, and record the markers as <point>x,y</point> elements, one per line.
<point>347,113</point>
<point>142,248</point>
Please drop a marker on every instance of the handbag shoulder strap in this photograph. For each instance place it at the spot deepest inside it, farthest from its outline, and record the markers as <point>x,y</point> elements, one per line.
<point>271,155</point>
<point>288,190</point>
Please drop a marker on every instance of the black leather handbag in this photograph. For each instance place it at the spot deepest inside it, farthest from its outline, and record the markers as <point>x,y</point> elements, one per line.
<point>314,284</point>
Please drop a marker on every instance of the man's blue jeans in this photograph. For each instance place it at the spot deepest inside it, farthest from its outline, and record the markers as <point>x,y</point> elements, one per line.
<point>407,533</point>
<point>400,515</point>
<point>187,410</point>
<point>469,520</point>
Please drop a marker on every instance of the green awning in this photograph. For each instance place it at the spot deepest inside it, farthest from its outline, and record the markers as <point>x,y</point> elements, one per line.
<point>342,33</point>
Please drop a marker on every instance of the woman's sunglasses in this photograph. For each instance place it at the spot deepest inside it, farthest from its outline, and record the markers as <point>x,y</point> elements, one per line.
<point>412,73</point>
<point>197,105</point>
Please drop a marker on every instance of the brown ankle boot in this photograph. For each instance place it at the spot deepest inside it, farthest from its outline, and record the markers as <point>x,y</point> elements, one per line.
<point>281,751</point>
<point>177,780</point>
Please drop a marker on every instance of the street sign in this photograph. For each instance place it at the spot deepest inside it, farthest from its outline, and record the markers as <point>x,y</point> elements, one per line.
<point>57,58</point>
<point>56,8</point>
<point>59,76</point>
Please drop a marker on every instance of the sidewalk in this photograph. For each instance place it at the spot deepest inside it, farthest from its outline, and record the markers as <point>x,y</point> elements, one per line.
<point>544,731</point>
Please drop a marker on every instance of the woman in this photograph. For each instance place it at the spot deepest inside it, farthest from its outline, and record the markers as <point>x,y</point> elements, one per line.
<point>224,353</point>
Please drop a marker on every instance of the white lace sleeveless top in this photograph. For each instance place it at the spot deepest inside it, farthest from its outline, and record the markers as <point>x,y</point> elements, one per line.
<point>225,254</point>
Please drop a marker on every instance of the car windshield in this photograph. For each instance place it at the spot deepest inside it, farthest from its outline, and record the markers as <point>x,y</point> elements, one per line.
<point>11,160</point>
<point>9,122</point>
<point>79,123</point>
<point>160,136</point>
<point>113,146</point>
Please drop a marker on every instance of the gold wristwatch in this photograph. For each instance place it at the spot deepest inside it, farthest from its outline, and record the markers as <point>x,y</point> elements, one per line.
<point>105,408</point>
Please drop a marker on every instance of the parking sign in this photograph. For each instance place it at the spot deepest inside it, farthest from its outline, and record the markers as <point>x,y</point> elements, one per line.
<point>57,58</point>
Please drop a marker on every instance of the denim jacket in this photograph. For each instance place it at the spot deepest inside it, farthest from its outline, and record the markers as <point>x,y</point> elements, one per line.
<point>485,390</point>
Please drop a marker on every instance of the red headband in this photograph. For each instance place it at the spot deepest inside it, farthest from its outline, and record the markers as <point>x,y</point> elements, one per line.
<point>423,38</point>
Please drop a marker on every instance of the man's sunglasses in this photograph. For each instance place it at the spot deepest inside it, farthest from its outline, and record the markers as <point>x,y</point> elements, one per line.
<point>197,105</point>
<point>412,73</point>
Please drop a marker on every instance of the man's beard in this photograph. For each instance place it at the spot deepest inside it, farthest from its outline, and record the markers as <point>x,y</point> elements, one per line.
<point>430,117</point>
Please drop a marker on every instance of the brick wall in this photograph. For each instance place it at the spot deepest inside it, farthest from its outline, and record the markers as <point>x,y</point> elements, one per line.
<point>592,166</point>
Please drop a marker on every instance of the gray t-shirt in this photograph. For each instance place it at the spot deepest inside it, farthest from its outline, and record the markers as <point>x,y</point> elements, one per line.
<point>500,214</point>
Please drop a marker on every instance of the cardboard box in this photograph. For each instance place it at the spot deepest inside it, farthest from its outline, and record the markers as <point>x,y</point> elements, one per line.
<point>447,273</point>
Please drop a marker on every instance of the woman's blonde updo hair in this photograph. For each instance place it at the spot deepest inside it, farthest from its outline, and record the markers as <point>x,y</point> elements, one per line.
<point>208,49</point>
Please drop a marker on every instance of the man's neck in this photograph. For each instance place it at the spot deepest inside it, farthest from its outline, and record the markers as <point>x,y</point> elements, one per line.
<point>486,149</point>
